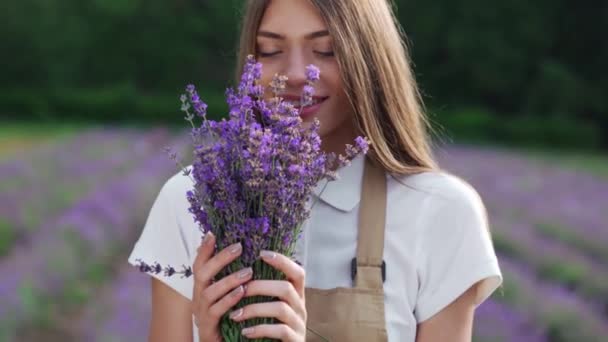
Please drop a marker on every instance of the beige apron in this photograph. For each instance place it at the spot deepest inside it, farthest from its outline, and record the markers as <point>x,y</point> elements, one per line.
<point>357,313</point>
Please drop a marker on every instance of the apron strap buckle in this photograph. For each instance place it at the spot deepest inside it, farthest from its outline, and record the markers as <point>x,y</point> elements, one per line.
<point>353,269</point>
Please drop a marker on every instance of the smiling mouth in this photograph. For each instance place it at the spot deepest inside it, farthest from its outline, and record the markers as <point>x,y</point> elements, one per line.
<point>315,100</point>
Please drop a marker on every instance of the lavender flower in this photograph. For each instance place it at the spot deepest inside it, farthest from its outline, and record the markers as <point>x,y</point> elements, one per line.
<point>255,173</point>
<point>312,73</point>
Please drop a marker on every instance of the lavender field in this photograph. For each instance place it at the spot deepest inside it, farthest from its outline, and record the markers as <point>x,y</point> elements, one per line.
<point>72,207</point>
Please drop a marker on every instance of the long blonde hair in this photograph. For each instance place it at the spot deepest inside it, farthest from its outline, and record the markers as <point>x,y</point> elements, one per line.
<point>373,58</point>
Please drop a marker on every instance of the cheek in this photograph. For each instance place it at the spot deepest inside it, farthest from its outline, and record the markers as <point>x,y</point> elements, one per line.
<point>331,73</point>
<point>338,92</point>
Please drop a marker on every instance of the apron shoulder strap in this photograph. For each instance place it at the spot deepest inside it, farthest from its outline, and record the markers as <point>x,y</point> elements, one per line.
<point>369,270</point>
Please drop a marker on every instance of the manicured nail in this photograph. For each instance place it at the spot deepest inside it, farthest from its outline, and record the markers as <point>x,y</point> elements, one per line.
<point>247,331</point>
<point>237,291</point>
<point>206,238</point>
<point>236,248</point>
<point>236,313</point>
<point>268,254</point>
<point>244,273</point>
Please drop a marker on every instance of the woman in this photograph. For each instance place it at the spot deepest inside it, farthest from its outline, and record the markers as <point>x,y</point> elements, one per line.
<point>395,250</point>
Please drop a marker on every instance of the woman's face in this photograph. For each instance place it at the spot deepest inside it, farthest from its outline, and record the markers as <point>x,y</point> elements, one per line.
<point>291,36</point>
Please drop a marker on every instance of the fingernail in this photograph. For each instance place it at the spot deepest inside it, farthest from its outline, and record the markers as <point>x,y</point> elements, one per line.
<point>245,272</point>
<point>236,313</point>
<point>247,331</point>
<point>206,238</point>
<point>268,254</point>
<point>237,291</point>
<point>234,249</point>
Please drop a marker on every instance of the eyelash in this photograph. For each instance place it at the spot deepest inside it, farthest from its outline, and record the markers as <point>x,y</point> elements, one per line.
<point>322,53</point>
<point>270,54</point>
<point>325,54</point>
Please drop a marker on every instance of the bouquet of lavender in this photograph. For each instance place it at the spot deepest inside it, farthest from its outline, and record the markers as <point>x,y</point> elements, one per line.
<point>253,175</point>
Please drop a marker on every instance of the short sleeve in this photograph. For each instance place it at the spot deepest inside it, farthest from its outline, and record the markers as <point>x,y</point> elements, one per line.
<point>455,251</point>
<point>163,239</point>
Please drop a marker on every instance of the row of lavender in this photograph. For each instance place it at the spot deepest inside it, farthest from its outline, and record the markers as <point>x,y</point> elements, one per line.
<point>563,204</point>
<point>555,276</point>
<point>48,180</point>
<point>73,247</point>
<point>550,228</point>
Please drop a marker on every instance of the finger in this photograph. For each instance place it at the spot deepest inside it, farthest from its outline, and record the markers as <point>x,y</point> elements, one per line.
<point>278,309</point>
<point>203,253</point>
<point>217,310</point>
<point>284,290</point>
<point>294,272</point>
<point>215,264</point>
<point>220,288</point>
<point>277,331</point>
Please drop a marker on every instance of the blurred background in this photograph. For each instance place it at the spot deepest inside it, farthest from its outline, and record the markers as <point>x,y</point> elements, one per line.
<point>517,92</point>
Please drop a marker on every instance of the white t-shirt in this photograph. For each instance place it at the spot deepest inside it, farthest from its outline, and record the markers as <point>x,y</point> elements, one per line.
<point>437,243</point>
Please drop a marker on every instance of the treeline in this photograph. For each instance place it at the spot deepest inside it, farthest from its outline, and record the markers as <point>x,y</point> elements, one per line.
<point>532,72</point>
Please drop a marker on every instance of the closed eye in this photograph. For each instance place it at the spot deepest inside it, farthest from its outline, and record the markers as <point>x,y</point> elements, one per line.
<point>269,54</point>
<point>325,53</point>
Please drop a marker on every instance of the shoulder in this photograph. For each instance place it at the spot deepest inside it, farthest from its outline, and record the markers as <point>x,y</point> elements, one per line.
<point>439,189</point>
<point>442,205</point>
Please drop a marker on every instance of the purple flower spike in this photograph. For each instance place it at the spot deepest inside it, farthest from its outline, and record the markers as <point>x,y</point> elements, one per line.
<point>307,95</point>
<point>312,73</point>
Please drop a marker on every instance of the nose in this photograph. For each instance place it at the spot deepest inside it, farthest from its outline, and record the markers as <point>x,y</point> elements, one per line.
<point>295,70</point>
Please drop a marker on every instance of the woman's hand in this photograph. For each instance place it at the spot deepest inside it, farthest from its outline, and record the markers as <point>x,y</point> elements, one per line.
<point>212,300</point>
<point>290,309</point>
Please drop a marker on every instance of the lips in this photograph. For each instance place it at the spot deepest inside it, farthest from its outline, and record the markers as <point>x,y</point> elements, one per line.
<point>309,111</point>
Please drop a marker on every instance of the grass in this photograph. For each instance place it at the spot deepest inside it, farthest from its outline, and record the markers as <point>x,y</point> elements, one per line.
<point>7,237</point>
<point>584,161</point>
<point>570,236</point>
<point>16,137</point>
<point>11,130</point>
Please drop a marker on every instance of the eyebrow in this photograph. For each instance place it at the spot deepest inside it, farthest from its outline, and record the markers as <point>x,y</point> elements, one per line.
<point>309,36</point>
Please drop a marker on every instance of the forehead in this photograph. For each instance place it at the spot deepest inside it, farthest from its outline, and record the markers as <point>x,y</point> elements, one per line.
<point>292,18</point>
